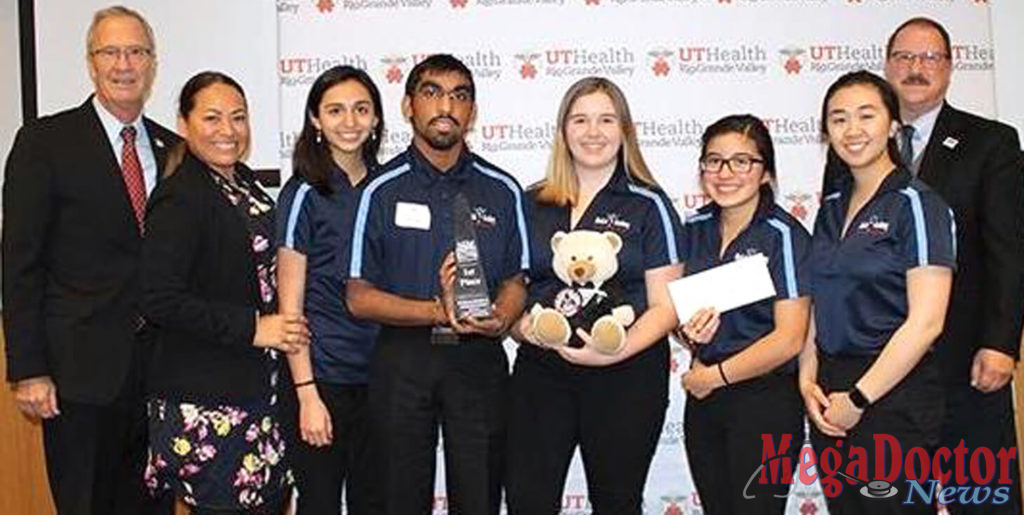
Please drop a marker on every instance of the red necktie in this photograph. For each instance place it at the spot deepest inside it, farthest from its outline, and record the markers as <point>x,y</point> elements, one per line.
<point>131,171</point>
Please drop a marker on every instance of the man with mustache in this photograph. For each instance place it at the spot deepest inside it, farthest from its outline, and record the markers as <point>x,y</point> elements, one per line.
<point>74,200</point>
<point>431,369</point>
<point>975,164</point>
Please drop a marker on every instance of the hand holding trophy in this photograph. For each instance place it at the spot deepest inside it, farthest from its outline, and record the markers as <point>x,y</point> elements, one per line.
<point>466,298</point>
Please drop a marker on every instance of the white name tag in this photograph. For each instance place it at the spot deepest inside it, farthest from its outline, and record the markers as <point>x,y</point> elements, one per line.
<point>412,216</point>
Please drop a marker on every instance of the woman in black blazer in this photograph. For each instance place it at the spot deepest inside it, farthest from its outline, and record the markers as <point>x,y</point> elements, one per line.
<point>208,290</point>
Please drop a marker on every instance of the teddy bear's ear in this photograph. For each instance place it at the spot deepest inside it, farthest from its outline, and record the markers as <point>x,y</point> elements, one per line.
<point>614,239</point>
<point>556,239</point>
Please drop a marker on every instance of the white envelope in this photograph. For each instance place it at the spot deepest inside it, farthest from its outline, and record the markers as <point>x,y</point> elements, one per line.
<point>724,287</point>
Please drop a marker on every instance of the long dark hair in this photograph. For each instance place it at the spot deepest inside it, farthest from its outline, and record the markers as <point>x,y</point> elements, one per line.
<point>749,126</point>
<point>187,102</point>
<point>311,159</point>
<point>889,100</point>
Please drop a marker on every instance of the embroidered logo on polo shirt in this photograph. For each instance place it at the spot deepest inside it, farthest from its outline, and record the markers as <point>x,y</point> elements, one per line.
<point>745,253</point>
<point>482,217</point>
<point>613,221</point>
<point>873,226</point>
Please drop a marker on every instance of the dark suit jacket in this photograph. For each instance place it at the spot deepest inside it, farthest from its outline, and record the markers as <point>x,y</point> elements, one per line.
<point>975,164</point>
<point>200,292</point>
<point>71,249</point>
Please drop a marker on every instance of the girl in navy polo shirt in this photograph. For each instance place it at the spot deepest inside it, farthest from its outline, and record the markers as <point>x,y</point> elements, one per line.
<point>882,261</point>
<point>613,406</point>
<point>742,382</point>
<point>335,156</point>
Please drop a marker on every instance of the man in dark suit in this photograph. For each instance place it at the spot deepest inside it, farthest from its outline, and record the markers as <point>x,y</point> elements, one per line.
<point>73,203</point>
<point>975,164</point>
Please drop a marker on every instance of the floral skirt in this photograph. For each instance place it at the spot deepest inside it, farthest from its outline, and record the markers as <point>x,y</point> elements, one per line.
<point>220,457</point>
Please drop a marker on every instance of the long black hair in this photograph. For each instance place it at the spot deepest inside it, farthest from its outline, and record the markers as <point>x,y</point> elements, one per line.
<point>749,126</point>
<point>187,102</point>
<point>889,100</point>
<point>311,159</point>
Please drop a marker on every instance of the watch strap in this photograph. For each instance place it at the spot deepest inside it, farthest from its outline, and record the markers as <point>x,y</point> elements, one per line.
<point>858,399</point>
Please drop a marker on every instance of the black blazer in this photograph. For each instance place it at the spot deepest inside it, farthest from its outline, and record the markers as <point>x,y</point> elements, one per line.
<point>975,164</point>
<point>71,248</point>
<point>200,291</point>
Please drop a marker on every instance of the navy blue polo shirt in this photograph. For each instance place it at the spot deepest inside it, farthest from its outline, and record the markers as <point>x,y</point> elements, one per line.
<point>642,216</point>
<point>772,232</point>
<point>858,280</point>
<point>320,226</point>
<point>404,226</point>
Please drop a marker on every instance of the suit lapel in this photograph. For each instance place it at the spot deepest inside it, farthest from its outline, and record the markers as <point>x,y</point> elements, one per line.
<point>160,146</point>
<point>95,143</point>
<point>96,151</point>
<point>941,151</point>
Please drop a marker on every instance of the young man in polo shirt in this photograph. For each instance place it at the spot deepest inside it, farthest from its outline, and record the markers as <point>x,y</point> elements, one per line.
<point>432,370</point>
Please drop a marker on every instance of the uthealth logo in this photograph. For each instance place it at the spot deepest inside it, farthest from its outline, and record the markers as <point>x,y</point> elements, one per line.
<point>923,473</point>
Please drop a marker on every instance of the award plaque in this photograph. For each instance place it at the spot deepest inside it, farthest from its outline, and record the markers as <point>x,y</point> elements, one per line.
<point>471,296</point>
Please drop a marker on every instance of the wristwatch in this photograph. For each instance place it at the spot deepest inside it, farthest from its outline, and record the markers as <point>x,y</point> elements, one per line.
<point>858,399</point>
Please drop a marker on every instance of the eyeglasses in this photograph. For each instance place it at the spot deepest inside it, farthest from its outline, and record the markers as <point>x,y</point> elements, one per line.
<point>927,59</point>
<point>433,92</point>
<point>112,54</point>
<point>739,164</point>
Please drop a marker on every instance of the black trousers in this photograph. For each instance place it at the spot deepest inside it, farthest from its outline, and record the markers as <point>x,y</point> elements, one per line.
<point>615,415</point>
<point>96,454</point>
<point>322,473</point>
<point>912,412</point>
<point>724,443</point>
<point>983,420</point>
<point>417,387</point>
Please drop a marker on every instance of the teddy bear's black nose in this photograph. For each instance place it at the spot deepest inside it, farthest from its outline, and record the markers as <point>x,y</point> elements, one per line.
<point>580,271</point>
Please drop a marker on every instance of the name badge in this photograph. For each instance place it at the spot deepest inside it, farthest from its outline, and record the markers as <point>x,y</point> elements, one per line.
<point>412,216</point>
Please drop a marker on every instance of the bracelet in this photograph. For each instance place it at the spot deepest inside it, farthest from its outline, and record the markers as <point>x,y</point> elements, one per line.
<point>304,383</point>
<point>721,372</point>
<point>437,306</point>
<point>682,338</point>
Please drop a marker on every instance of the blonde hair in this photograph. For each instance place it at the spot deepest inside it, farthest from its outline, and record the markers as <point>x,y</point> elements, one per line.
<point>560,185</point>
<point>113,12</point>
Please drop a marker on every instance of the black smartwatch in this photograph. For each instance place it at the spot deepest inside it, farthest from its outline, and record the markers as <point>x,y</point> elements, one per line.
<point>858,399</point>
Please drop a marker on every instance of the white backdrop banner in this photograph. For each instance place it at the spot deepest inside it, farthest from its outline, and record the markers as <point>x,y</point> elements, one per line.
<point>682,64</point>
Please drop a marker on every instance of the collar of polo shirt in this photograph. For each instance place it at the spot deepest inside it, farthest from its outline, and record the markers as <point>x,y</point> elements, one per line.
<point>897,179</point>
<point>424,168</point>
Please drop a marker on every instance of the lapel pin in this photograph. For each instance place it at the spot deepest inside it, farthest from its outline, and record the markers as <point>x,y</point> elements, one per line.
<point>160,143</point>
<point>950,142</point>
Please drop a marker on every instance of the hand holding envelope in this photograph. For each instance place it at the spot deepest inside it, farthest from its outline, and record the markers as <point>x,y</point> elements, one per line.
<point>700,328</point>
<point>722,288</point>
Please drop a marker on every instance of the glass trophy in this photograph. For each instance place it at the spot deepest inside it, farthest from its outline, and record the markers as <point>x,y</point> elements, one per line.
<point>471,295</point>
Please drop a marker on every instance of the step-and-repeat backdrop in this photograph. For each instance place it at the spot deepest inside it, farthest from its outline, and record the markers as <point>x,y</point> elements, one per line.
<point>682,63</point>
